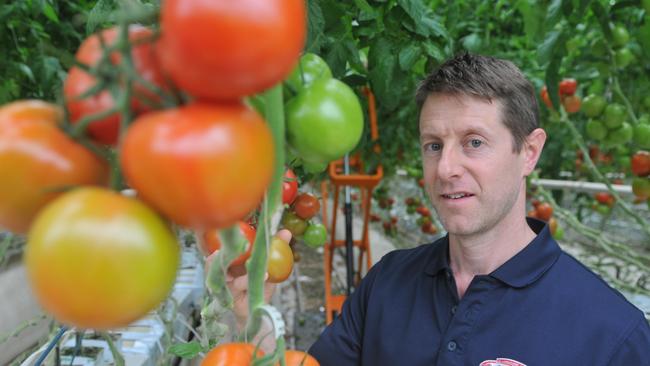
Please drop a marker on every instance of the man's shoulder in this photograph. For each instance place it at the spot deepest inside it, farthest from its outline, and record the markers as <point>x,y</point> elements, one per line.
<point>415,257</point>
<point>587,289</point>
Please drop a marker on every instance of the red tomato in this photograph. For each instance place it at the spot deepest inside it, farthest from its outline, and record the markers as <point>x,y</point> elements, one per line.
<point>571,104</point>
<point>552,225</point>
<point>280,261</point>
<point>298,358</point>
<point>640,163</point>
<point>306,206</point>
<point>605,198</point>
<point>545,98</point>
<point>106,130</point>
<point>231,354</point>
<point>568,87</point>
<point>211,242</point>
<point>544,211</point>
<point>228,49</point>
<point>203,166</point>
<point>39,162</point>
<point>289,187</point>
<point>97,259</point>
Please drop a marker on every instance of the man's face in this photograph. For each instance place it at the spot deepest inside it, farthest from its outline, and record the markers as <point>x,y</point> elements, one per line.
<point>471,173</point>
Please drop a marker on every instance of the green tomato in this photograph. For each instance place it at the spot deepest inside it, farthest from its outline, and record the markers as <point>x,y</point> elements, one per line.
<point>642,135</point>
<point>596,130</point>
<point>310,68</point>
<point>603,209</point>
<point>620,36</point>
<point>621,135</point>
<point>593,105</point>
<point>614,115</point>
<point>293,223</point>
<point>315,236</point>
<point>559,233</point>
<point>597,86</point>
<point>324,121</point>
<point>314,167</point>
<point>624,57</point>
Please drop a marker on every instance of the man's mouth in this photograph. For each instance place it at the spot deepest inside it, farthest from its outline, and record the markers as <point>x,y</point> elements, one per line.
<point>455,196</point>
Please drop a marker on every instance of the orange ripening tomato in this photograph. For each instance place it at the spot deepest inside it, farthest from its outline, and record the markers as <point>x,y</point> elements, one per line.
<point>106,130</point>
<point>97,259</point>
<point>298,358</point>
<point>231,354</point>
<point>203,166</point>
<point>211,242</point>
<point>545,98</point>
<point>544,211</point>
<point>39,162</point>
<point>571,104</point>
<point>224,50</point>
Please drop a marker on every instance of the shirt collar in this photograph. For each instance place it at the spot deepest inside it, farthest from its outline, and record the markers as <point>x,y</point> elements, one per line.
<point>523,269</point>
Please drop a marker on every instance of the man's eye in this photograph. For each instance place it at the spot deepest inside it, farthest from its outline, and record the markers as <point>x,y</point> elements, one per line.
<point>476,143</point>
<point>433,147</point>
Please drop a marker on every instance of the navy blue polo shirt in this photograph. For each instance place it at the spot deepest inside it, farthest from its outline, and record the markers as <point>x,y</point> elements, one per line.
<point>541,307</point>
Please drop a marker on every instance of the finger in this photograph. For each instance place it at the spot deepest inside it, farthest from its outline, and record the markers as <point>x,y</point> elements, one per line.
<point>239,284</point>
<point>284,235</point>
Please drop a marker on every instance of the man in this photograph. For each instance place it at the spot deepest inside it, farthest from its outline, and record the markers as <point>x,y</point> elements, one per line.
<point>497,290</point>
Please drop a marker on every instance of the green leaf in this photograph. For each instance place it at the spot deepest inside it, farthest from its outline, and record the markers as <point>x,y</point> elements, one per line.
<point>424,24</point>
<point>26,71</point>
<point>529,9</point>
<point>408,56</point>
<point>381,65</point>
<point>472,43</point>
<point>547,48</point>
<point>98,14</point>
<point>603,18</point>
<point>315,26</point>
<point>186,350</point>
<point>552,80</point>
<point>49,12</point>
<point>433,51</point>
<point>364,6</point>
<point>554,13</point>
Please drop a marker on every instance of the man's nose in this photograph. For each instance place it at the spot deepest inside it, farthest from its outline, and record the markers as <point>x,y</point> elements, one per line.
<point>450,164</point>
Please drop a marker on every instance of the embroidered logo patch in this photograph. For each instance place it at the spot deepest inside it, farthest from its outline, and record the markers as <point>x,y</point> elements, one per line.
<point>501,362</point>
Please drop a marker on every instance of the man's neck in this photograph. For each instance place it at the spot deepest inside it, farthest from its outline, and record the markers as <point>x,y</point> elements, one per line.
<point>470,256</point>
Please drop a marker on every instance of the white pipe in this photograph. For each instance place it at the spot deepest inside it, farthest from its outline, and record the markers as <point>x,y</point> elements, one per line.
<point>591,187</point>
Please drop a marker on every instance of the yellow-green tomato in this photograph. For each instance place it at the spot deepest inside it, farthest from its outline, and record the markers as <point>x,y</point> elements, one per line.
<point>280,260</point>
<point>97,259</point>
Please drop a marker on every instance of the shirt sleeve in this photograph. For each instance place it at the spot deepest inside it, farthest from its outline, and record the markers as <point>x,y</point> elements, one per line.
<point>340,343</point>
<point>635,350</point>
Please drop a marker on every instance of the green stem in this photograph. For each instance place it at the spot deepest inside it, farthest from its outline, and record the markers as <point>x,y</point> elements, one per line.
<point>117,357</point>
<point>628,105</point>
<point>256,266</point>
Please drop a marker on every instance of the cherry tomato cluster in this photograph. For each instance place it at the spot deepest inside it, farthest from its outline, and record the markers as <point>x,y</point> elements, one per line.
<point>544,211</point>
<point>297,219</point>
<point>165,111</point>
<point>414,205</point>
<point>567,89</point>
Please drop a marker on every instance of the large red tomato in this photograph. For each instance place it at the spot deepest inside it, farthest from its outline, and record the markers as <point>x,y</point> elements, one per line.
<point>38,162</point>
<point>212,243</point>
<point>228,49</point>
<point>231,354</point>
<point>106,130</point>
<point>97,259</point>
<point>203,166</point>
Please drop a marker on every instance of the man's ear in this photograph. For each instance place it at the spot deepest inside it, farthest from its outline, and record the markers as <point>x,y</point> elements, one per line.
<point>532,149</point>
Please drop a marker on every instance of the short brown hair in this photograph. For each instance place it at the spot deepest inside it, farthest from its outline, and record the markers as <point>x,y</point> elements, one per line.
<point>487,78</point>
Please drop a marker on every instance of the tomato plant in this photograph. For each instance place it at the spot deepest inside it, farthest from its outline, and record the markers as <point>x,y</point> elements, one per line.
<point>211,242</point>
<point>204,166</point>
<point>315,236</point>
<point>309,69</point>
<point>280,260</point>
<point>258,44</point>
<point>231,354</point>
<point>78,82</point>
<point>40,162</point>
<point>324,121</point>
<point>306,206</point>
<point>289,187</point>
<point>97,259</point>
